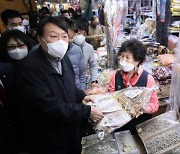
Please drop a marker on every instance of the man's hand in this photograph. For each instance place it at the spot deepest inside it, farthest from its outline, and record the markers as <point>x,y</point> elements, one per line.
<point>96,114</point>
<point>87,99</point>
<point>98,37</point>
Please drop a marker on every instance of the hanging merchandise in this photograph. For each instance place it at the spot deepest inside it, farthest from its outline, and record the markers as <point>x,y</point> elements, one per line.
<point>114,13</point>
<point>175,7</point>
<point>158,7</point>
<point>175,82</point>
<point>162,10</point>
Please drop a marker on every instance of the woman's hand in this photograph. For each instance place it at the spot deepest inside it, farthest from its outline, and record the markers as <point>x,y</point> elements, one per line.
<point>145,109</point>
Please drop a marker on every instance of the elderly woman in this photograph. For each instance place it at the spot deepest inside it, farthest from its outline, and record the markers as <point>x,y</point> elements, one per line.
<point>130,57</point>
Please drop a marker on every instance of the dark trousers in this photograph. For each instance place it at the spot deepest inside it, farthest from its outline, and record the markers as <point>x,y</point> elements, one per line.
<point>65,149</point>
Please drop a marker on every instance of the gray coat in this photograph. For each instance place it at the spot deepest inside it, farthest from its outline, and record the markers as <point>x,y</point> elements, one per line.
<point>90,60</point>
<point>76,57</point>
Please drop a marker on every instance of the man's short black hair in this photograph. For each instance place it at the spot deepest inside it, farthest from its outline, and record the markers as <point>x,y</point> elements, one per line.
<point>58,21</point>
<point>137,48</point>
<point>9,14</point>
<point>24,13</point>
<point>71,24</point>
<point>82,24</point>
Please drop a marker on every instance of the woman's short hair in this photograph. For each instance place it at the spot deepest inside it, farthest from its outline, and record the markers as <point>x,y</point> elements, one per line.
<point>137,48</point>
<point>17,35</point>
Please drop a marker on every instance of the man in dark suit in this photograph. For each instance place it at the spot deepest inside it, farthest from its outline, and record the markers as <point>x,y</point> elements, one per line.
<point>51,108</point>
<point>7,117</point>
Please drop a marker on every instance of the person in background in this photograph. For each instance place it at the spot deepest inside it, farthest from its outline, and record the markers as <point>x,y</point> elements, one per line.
<point>72,14</point>
<point>12,20</point>
<point>88,51</point>
<point>44,12</point>
<point>79,12</point>
<point>131,55</point>
<point>50,106</point>
<point>65,13</point>
<point>25,22</point>
<point>95,33</point>
<point>76,56</point>
<point>14,46</point>
<point>101,14</point>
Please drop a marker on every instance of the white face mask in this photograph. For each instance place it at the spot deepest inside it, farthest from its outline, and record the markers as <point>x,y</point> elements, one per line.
<point>25,22</point>
<point>18,53</point>
<point>57,49</point>
<point>79,40</point>
<point>126,67</point>
<point>21,28</point>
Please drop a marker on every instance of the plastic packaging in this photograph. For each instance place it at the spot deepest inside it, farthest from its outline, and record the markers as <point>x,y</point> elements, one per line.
<point>175,82</point>
<point>157,124</point>
<point>105,146</point>
<point>120,107</point>
<point>96,90</point>
<point>105,76</point>
<point>163,142</point>
<point>125,143</point>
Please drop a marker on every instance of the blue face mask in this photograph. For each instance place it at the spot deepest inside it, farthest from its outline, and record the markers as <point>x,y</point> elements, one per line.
<point>79,39</point>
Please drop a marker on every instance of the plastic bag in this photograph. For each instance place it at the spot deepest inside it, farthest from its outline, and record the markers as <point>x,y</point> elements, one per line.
<point>120,107</point>
<point>166,59</point>
<point>105,76</point>
<point>162,74</point>
<point>175,83</point>
<point>96,90</point>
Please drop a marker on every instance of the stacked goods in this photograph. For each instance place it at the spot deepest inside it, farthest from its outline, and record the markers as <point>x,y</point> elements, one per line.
<point>162,74</point>
<point>175,7</point>
<point>157,124</point>
<point>166,59</point>
<point>161,134</point>
<point>162,142</point>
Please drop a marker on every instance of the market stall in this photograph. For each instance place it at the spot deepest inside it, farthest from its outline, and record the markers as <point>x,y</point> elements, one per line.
<point>160,134</point>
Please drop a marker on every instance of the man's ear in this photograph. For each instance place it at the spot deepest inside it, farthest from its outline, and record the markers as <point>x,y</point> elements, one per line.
<point>39,38</point>
<point>5,26</point>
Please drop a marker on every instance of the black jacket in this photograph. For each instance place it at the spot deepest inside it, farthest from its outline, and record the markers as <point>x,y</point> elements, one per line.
<point>50,108</point>
<point>7,109</point>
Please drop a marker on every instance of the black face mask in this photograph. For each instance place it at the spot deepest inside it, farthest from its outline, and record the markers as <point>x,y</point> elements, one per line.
<point>94,25</point>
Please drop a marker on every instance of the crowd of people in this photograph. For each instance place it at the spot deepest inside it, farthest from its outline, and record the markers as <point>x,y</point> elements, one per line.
<point>44,62</point>
<point>43,68</point>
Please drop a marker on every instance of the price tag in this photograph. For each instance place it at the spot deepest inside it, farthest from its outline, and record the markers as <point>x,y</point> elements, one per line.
<point>133,93</point>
